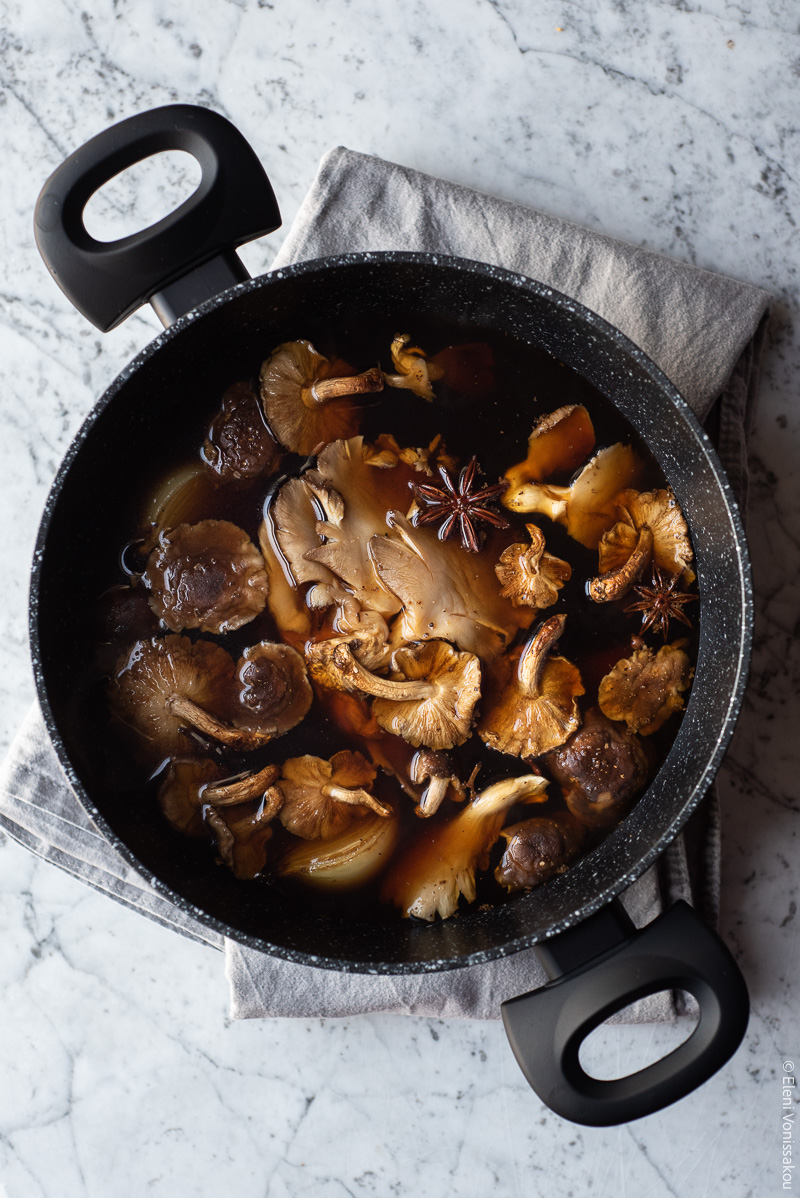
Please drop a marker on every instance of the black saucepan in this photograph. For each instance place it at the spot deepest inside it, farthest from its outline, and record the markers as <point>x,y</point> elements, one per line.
<point>219,323</point>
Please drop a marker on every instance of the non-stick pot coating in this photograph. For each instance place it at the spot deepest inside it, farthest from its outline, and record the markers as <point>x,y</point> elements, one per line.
<point>190,364</point>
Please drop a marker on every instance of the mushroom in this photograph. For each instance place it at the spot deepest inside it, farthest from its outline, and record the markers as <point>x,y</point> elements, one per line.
<point>602,768</point>
<point>443,779</point>
<point>323,798</point>
<point>239,444</point>
<point>559,443</point>
<point>538,848</point>
<point>658,511</point>
<point>292,520</point>
<point>160,686</point>
<point>189,785</point>
<point>432,697</point>
<point>537,707</point>
<point>587,506</point>
<point>414,371</point>
<point>529,575</point>
<point>208,576</point>
<point>366,632</point>
<point>618,579</point>
<point>243,832</point>
<point>304,405</point>
<point>446,594</point>
<point>348,860</point>
<point>645,688</point>
<point>274,693</point>
<point>441,865</point>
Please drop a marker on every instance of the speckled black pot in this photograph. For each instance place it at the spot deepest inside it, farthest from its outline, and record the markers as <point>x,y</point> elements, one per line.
<point>195,358</point>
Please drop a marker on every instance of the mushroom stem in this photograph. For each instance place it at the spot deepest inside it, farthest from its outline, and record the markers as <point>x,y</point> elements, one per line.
<point>432,797</point>
<point>616,583</point>
<point>546,499</point>
<point>251,786</point>
<point>536,651</point>
<point>357,796</point>
<point>237,738</point>
<point>324,390</point>
<point>371,684</point>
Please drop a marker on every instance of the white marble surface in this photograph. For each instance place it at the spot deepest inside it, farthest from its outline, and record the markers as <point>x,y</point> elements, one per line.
<point>670,124</point>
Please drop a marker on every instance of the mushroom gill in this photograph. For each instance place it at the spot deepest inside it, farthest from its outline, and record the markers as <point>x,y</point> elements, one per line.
<point>645,689</point>
<point>529,575</point>
<point>324,798</point>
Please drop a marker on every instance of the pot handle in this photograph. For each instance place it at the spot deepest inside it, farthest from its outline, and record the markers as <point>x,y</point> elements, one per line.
<point>177,262</point>
<point>596,969</point>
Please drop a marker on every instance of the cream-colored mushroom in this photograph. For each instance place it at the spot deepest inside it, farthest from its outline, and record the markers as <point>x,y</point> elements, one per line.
<point>619,579</point>
<point>438,770</point>
<point>559,443</point>
<point>586,508</point>
<point>433,701</point>
<point>414,371</point>
<point>304,405</point>
<point>348,860</point>
<point>536,708</point>
<point>659,511</point>
<point>367,634</point>
<point>323,798</point>
<point>208,576</point>
<point>428,879</point>
<point>529,575</point>
<point>645,689</point>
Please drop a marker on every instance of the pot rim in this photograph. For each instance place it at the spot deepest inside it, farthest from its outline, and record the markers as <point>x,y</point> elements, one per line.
<point>589,319</point>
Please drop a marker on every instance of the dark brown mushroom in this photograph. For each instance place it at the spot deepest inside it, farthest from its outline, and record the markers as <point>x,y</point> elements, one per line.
<point>208,576</point>
<point>438,769</point>
<point>538,848</point>
<point>189,785</point>
<point>274,693</point>
<point>243,832</point>
<point>603,768</point>
<point>239,444</point>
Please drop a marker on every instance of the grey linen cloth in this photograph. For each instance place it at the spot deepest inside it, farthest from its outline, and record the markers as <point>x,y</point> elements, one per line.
<point>704,330</point>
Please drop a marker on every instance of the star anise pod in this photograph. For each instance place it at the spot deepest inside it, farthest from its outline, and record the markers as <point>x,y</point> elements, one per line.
<point>661,602</point>
<point>457,505</point>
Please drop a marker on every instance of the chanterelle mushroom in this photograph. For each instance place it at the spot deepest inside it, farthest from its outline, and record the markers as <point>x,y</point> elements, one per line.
<point>304,405</point>
<point>602,768</point>
<point>559,443</point>
<point>645,688</point>
<point>587,507</point>
<point>244,831</point>
<point>274,693</point>
<point>537,708</point>
<point>538,848</point>
<point>323,798</point>
<point>155,674</point>
<point>208,576</point>
<point>414,371</point>
<point>433,704</point>
<point>239,444</point>
<point>439,771</point>
<point>529,575</point>
<point>428,879</point>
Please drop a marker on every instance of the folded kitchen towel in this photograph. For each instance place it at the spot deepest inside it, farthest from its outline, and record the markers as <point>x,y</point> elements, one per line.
<point>704,330</point>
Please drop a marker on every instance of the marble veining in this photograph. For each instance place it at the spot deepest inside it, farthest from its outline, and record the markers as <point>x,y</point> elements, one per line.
<point>671,124</point>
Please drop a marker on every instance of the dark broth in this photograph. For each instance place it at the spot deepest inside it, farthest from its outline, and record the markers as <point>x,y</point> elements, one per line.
<point>527,384</point>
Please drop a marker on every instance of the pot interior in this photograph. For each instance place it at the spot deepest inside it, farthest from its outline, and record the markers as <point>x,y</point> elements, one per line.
<point>185,371</point>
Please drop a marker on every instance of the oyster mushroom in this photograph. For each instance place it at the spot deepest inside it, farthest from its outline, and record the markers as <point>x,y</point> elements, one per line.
<point>414,371</point>
<point>645,688</point>
<point>587,507</point>
<point>273,691</point>
<point>208,576</point>
<point>304,405</point>
<point>160,686</point>
<point>239,444</point>
<point>243,832</point>
<point>537,708</point>
<point>617,580</point>
<point>350,859</point>
<point>189,785</point>
<point>293,519</point>
<point>538,848</point>
<point>529,575</point>
<point>439,771</point>
<point>602,768</point>
<point>446,594</point>
<point>323,798</point>
<point>559,443</point>
<point>434,701</point>
<point>441,865</point>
